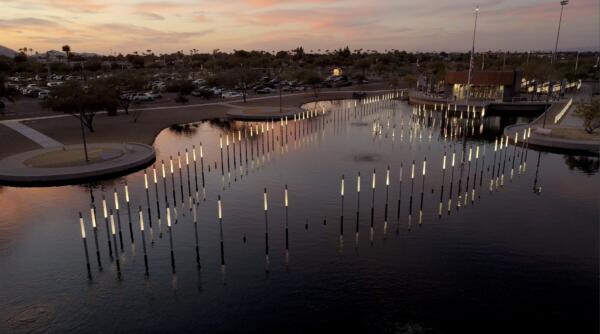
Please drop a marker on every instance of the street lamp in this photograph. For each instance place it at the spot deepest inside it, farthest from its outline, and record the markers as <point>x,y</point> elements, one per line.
<point>471,59</point>
<point>562,6</point>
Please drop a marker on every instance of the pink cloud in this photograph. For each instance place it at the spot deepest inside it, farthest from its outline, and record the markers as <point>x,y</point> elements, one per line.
<point>86,6</point>
<point>268,3</point>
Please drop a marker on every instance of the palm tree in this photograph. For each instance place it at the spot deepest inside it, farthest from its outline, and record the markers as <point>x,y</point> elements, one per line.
<point>67,50</point>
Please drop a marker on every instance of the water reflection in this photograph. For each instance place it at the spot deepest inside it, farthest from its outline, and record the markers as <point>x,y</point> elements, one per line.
<point>188,129</point>
<point>319,156</point>
<point>586,164</point>
<point>322,124</point>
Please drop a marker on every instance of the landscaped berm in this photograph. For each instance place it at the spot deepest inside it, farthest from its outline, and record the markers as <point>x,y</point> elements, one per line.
<point>67,164</point>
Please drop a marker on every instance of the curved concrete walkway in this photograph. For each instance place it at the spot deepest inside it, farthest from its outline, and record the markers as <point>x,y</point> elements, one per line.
<point>66,165</point>
<point>261,113</point>
<point>545,130</point>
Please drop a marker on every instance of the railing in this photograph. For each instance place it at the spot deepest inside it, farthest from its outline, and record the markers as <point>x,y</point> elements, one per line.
<point>564,110</point>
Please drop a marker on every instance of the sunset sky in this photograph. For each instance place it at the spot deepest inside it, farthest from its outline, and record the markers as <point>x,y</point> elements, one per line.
<point>166,26</point>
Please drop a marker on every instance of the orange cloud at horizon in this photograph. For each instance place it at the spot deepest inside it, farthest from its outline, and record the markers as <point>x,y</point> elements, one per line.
<point>170,25</point>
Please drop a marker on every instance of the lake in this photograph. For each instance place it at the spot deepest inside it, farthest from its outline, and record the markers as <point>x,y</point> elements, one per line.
<point>505,242</point>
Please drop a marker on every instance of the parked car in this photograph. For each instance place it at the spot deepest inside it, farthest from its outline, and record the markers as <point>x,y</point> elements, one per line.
<point>216,91</point>
<point>140,97</point>
<point>43,94</point>
<point>153,95</point>
<point>205,93</point>
<point>231,94</point>
<point>54,83</point>
<point>341,84</point>
<point>264,90</point>
<point>199,82</point>
<point>30,90</point>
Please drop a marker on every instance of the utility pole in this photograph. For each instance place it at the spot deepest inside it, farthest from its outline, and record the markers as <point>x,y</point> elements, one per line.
<point>562,6</point>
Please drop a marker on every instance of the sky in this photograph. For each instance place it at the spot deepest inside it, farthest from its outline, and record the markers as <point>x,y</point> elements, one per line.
<point>109,26</point>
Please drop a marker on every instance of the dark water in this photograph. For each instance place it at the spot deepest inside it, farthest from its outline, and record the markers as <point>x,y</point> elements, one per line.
<point>522,256</point>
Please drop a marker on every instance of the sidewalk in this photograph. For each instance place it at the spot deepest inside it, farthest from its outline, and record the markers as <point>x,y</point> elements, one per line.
<point>35,136</point>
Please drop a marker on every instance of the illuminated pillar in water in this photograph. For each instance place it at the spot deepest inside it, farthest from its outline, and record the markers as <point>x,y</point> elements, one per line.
<point>114,235</point>
<point>116,198</point>
<point>128,211</point>
<point>85,248</point>
<point>141,219</point>
<point>105,213</point>
<point>265,204</point>
<point>169,227</point>
<point>95,229</point>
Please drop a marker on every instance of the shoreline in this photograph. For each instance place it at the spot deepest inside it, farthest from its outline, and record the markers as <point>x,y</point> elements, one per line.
<point>65,128</point>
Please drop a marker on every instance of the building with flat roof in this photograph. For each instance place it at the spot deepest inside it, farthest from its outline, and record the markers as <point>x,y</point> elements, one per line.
<point>485,85</point>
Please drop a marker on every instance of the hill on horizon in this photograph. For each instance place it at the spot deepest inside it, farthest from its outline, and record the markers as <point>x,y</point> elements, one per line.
<point>4,51</point>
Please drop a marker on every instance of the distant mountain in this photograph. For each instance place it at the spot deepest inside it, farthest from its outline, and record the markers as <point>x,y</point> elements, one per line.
<point>4,51</point>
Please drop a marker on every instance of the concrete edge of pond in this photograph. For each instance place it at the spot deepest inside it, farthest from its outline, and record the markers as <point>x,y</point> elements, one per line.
<point>14,171</point>
<point>262,113</point>
<point>553,143</point>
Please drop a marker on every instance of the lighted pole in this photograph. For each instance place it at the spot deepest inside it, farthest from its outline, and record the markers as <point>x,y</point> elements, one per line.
<point>562,6</point>
<point>472,55</point>
<point>470,70</point>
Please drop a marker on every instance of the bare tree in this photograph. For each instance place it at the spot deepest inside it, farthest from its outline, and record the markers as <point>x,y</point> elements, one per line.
<point>590,112</point>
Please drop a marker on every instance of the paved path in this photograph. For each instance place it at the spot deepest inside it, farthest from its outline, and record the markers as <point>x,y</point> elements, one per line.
<point>34,135</point>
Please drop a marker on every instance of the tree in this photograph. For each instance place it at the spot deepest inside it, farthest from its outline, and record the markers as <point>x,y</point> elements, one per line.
<point>20,57</point>
<point>82,102</point>
<point>6,93</point>
<point>590,112</point>
<point>181,98</point>
<point>363,65</point>
<point>410,80</point>
<point>246,77</point>
<point>67,51</point>
<point>184,87</point>
<point>314,80</point>
<point>123,84</point>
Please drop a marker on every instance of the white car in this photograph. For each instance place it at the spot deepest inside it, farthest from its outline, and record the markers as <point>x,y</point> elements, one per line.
<point>216,91</point>
<point>231,94</point>
<point>54,83</point>
<point>140,97</point>
<point>153,96</point>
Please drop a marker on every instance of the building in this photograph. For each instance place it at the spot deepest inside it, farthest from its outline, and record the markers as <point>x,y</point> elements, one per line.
<point>485,85</point>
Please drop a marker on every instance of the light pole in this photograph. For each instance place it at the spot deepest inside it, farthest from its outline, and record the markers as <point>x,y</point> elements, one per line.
<point>468,88</point>
<point>562,6</point>
<point>81,114</point>
<point>280,87</point>
<point>471,58</point>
